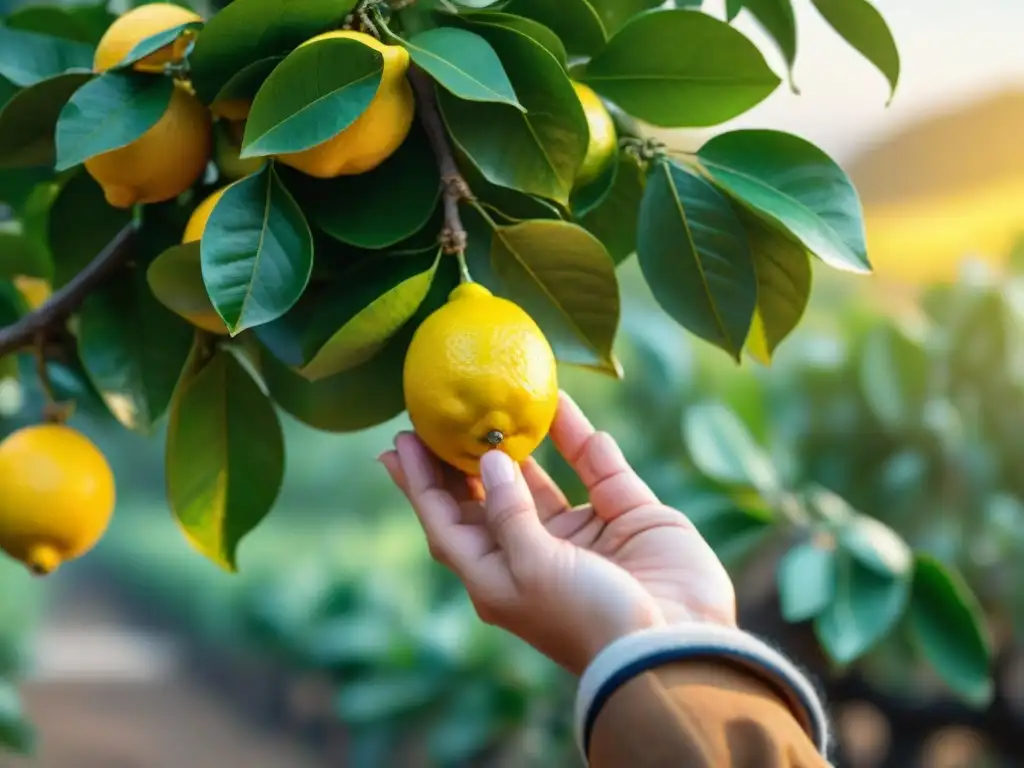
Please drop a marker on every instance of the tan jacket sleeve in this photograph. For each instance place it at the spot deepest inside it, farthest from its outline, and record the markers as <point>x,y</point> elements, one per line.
<point>701,714</point>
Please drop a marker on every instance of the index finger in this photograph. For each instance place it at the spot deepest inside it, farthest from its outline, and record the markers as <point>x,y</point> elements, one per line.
<point>614,486</point>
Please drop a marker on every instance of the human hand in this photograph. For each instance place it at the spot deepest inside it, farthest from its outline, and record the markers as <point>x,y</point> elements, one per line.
<point>567,580</point>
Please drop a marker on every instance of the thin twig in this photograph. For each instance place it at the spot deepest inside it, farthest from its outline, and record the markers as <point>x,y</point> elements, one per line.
<point>66,300</point>
<point>454,188</point>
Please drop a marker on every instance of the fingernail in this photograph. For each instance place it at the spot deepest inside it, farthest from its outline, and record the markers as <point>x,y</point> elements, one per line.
<point>497,469</point>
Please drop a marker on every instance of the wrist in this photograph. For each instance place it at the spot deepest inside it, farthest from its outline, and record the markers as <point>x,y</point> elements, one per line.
<point>613,628</point>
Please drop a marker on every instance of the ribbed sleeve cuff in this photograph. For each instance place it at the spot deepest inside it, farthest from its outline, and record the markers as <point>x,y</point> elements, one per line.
<point>640,652</point>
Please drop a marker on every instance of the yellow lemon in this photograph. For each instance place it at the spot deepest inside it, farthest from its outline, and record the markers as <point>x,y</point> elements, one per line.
<point>163,162</point>
<point>56,496</point>
<point>479,374</point>
<point>136,25</point>
<point>234,110</point>
<point>35,290</point>
<point>196,224</point>
<point>603,138</point>
<point>377,133</point>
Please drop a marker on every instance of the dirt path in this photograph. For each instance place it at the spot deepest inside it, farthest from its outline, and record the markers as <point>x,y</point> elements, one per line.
<point>106,694</point>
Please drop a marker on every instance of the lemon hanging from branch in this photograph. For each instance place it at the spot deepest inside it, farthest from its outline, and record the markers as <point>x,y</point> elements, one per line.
<point>136,25</point>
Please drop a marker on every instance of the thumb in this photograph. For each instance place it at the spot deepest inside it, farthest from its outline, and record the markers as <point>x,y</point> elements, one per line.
<point>511,514</point>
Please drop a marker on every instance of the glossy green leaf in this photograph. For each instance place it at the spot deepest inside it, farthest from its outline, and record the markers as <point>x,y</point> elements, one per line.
<point>537,152</point>
<point>576,22</point>
<point>807,581</point>
<point>376,209</point>
<point>249,30</point>
<point>504,202</point>
<point>895,375</point>
<point>80,224</point>
<point>463,63</point>
<point>863,27</point>
<point>154,43</point>
<point>246,83</point>
<point>876,546</point>
<point>695,257</point>
<point>257,251</point>
<point>20,254</point>
<point>722,448</point>
<point>28,57</point>
<point>865,608</point>
<point>948,626</point>
<point>676,68</point>
<point>109,112</point>
<point>733,8</point>
<point>776,17</point>
<point>81,23</point>
<point>551,42</point>
<point>224,457</point>
<point>783,269</point>
<point>615,221</point>
<point>587,197</point>
<point>796,185</point>
<point>318,91</point>
<point>565,280</point>
<point>176,279</point>
<point>615,14</point>
<point>29,118</point>
<point>362,313</point>
<point>133,349</point>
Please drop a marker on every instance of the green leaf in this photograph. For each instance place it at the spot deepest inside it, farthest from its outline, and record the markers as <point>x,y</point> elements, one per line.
<point>722,448</point>
<point>895,374</point>
<point>224,457</point>
<point>361,397</point>
<point>318,91</point>
<point>565,280</point>
<point>733,8</point>
<point>246,83</point>
<point>376,209</point>
<point>176,279</point>
<point>807,581</point>
<point>507,203</point>
<point>463,63</point>
<point>79,225</point>
<point>28,120</point>
<point>721,75</point>
<point>732,532</point>
<point>83,24</point>
<point>28,57</point>
<point>948,626</point>
<point>615,221</point>
<point>257,251</point>
<point>355,318</point>
<point>16,732</point>
<point>777,19</point>
<point>796,186</point>
<point>532,29</point>
<point>21,255</point>
<point>615,14</point>
<point>154,43</point>
<point>783,269</point>
<point>574,21</point>
<point>133,349</point>
<point>109,112</point>
<point>876,546</point>
<point>537,152</point>
<point>387,695</point>
<point>863,27</point>
<point>249,30</point>
<point>866,606</point>
<point>695,257</point>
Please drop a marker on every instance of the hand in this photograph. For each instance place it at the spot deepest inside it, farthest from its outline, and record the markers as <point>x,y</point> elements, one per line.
<point>569,581</point>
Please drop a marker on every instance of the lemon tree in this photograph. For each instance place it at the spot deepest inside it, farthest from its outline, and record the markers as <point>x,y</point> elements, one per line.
<point>251,207</point>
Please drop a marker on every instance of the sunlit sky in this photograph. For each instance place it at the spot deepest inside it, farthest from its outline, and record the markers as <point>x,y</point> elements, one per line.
<point>952,51</point>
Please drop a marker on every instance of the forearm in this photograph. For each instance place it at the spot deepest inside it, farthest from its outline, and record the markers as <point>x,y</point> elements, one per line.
<point>720,709</point>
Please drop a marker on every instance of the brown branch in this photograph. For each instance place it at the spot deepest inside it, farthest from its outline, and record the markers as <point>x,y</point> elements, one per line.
<point>454,188</point>
<point>65,301</point>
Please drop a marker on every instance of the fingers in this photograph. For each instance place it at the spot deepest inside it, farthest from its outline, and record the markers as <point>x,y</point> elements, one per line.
<point>511,512</point>
<point>547,496</point>
<point>614,486</point>
<point>419,474</point>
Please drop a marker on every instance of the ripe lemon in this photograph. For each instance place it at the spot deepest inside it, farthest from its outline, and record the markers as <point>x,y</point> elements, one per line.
<point>35,290</point>
<point>603,138</point>
<point>480,374</point>
<point>377,133</point>
<point>164,161</point>
<point>136,25</point>
<point>196,224</point>
<point>56,496</point>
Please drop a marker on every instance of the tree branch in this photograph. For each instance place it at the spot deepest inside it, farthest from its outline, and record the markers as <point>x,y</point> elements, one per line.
<point>454,188</point>
<point>65,301</point>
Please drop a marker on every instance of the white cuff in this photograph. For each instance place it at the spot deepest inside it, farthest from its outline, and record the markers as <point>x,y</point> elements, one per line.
<point>639,652</point>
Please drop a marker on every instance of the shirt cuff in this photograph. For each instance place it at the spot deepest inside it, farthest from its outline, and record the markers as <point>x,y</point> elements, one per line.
<point>634,654</point>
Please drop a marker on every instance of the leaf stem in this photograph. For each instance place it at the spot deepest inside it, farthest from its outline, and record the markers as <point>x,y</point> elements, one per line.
<point>65,301</point>
<point>454,188</point>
